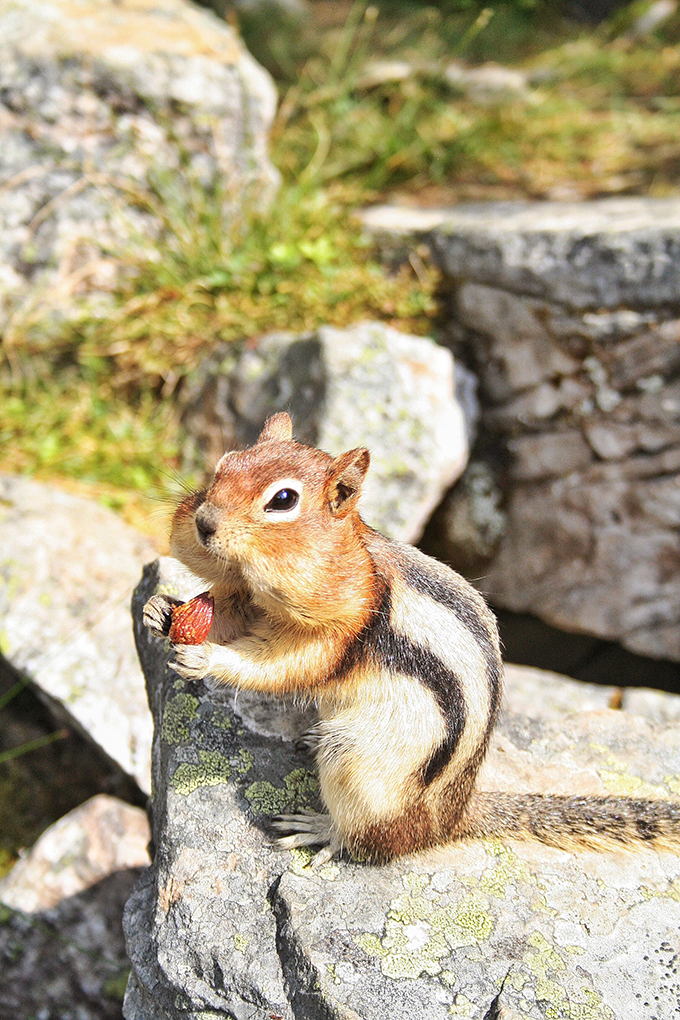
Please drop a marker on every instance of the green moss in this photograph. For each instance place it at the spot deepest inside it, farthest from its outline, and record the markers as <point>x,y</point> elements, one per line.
<point>213,770</point>
<point>179,712</point>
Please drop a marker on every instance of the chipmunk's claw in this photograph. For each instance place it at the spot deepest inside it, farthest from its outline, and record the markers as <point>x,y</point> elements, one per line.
<point>192,662</point>
<point>308,829</point>
<point>157,614</point>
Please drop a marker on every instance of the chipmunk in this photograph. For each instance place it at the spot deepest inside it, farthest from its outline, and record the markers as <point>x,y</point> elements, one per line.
<point>399,652</point>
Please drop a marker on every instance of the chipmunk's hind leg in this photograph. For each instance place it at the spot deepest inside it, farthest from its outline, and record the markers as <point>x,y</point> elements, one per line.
<point>310,829</point>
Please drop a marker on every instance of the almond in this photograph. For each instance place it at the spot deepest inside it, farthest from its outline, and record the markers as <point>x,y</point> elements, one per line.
<point>192,621</point>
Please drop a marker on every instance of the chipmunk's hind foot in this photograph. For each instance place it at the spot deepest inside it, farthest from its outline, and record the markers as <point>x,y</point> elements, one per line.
<point>308,742</point>
<point>310,829</point>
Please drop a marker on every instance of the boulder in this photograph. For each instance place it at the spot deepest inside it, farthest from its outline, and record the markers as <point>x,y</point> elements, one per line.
<point>100,101</point>
<point>102,836</point>
<point>570,315</point>
<point>61,939</point>
<point>224,925</point>
<point>67,568</point>
<point>367,385</point>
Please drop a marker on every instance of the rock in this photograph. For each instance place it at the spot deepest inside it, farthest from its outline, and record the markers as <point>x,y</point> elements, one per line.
<point>100,99</point>
<point>88,844</point>
<point>67,568</point>
<point>606,254</point>
<point>68,962</point>
<point>221,923</point>
<point>467,527</point>
<point>367,385</point>
<point>61,939</point>
<point>569,315</point>
<point>487,84</point>
<point>542,694</point>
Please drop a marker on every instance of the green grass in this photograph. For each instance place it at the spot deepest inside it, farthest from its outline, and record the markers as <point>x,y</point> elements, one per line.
<point>97,401</point>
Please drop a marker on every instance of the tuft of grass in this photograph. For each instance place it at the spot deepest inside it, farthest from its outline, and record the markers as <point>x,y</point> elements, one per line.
<point>98,399</point>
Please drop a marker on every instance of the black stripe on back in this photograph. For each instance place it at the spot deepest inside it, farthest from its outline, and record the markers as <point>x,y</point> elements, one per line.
<point>464,609</point>
<point>398,654</point>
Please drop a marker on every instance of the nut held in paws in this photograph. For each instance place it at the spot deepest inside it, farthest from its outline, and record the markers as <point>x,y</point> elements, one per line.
<point>191,621</point>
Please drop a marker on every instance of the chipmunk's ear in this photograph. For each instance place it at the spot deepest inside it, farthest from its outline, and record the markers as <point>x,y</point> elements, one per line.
<point>344,480</point>
<point>278,428</point>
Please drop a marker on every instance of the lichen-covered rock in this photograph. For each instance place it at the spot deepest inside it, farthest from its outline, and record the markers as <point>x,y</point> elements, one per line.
<point>367,385</point>
<point>222,925</point>
<point>61,939</point>
<point>99,101</point>
<point>570,315</point>
<point>67,567</point>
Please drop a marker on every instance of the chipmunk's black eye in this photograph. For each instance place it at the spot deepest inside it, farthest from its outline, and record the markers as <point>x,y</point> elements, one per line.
<point>284,499</point>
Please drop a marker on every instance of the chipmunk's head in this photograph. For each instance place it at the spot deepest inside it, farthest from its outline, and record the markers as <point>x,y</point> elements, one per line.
<point>279,515</point>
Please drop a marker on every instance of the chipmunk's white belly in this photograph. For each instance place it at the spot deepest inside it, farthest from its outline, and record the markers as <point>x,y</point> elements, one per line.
<point>371,749</point>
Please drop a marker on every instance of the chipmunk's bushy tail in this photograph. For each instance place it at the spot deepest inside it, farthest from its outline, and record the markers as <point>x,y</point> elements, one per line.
<point>594,823</point>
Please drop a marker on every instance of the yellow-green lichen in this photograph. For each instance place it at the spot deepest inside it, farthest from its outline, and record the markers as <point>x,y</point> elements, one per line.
<point>671,892</point>
<point>301,858</point>
<point>213,770</point>
<point>178,713</point>
<point>240,943</point>
<point>330,967</point>
<point>5,646</point>
<point>462,1006</point>
<point>221,719</point>
<point>543,960</point>
<point>508,869</point>
<point>418,933</point>
<point>300,787</point>
<point>673,784</point>
<point>243,762</point>
<point>621,783</point>
<point>75,694</point>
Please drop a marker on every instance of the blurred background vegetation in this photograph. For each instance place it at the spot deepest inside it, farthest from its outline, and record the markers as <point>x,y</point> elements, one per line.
<point>367,113</point>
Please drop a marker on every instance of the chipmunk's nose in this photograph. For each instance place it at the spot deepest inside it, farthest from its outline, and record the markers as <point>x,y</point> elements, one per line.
<point>207,521</point>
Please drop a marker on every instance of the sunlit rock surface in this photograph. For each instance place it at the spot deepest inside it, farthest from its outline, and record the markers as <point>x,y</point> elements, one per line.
<point>222,924</point>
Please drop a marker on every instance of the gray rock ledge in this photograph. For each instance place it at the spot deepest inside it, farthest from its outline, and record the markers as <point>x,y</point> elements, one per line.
<point>599,254</point>
<point>222,926</point>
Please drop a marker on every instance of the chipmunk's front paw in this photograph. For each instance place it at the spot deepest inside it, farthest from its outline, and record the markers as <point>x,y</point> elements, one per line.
<point>192,662</point>
<point>157,614</point>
